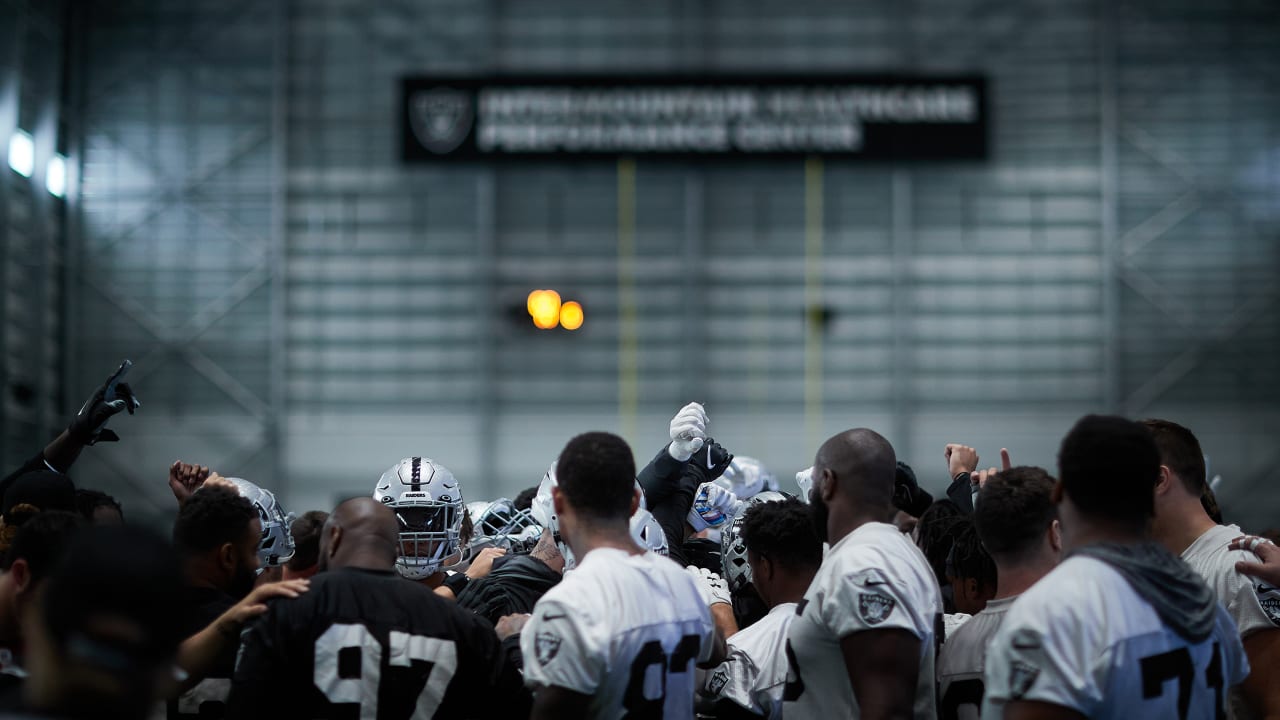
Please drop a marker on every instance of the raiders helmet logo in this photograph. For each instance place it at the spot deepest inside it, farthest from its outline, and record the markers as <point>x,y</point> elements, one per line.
<point>1021,677</point>
<point>545,646</point>
<point>1269,599</point>
<point>874,608</point>
<point>441,118</point>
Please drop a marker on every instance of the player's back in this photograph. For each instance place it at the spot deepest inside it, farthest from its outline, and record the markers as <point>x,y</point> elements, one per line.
<point>874,578</point>
<point>627,630</point>
<point>961,659</point>
<point>367,644</point>
<point>755,673</point>
<point>1084,638</point>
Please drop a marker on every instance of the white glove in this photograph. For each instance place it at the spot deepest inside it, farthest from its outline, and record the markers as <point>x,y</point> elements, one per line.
<point>804,479</point>
<point>688,432</point>
<point>713,587</point>
<point>713,507</point>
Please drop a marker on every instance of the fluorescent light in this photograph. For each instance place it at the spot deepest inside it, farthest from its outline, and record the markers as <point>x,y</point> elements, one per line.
<point>22,153</point>
<point>55,177</point>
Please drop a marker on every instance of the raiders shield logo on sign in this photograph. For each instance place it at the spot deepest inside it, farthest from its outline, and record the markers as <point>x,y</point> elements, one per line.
<point>545,646</point>
<point>1021,677</point>
<point>441,118</point>
<point>874,608</point>
<point>1269,599</point>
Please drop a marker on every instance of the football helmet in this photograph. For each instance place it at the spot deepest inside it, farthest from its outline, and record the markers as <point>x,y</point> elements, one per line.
<point>276,547</point>
<point>499,524</point>
<point>733,551</point>
<point>543,511</point>
<point>747,476</point>
<point>428,504</point>
<point>648,533</point>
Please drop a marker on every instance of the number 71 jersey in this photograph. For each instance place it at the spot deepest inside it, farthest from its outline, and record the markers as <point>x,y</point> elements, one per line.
<point>628,630</point>
<point>1083,638</point>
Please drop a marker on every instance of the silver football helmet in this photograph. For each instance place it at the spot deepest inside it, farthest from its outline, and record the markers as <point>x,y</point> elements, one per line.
<point>733,552</point>
<point>647,533</point>
<point>747,476</point>
<point>427,501</point>
<point>276,547</point>
<point>543,511</point>
<point>499,524</point>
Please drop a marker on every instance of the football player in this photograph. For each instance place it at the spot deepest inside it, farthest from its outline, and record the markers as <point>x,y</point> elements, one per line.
<point>217,534</point>
<point>1016,522</point>
<point>621,634</point>
<point>1183,526</point>
<point>864,640</point>
<point>1121,628</point>
<point>435,529</point>
<point>783,555</point>
<point>364,643</point>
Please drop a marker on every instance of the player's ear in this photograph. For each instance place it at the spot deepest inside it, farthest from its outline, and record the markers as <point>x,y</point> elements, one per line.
<point>1164,481</point>
<point>227,556</point>
<point>557,500</point>
<point>1055,537</point>
<point>335,539</point>
<point>827,484</point>
<point>1056,494</point>
<point>635,501</point>
<point>21,574</point>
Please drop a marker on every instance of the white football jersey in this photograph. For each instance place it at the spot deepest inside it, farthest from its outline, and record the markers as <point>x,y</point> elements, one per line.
<point>756,670</point>
<point>961,660</point>
<point>1083,638</point>
<point>875,578</point>
<point>1253,605</point>
<point>627,630</point>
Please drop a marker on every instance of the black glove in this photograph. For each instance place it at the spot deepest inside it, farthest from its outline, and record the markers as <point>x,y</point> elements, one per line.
<point>907,493</point>
<point>112,398</point>
<point>711,460</point>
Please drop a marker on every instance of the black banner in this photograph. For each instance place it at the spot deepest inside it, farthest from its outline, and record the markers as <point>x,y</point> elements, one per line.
<point>883,117</point>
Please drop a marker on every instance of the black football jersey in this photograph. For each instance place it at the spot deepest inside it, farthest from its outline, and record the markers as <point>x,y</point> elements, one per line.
<point>370,645</point>
<point>207,700</point>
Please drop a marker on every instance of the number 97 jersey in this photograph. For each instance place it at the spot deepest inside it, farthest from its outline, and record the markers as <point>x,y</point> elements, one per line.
<point>628,630</point>
<point>1084,639</point>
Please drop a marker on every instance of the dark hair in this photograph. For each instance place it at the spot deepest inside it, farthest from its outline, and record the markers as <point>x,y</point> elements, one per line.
<point>306,539</point>
<point>968,559</point>
<point>42,540</point>
<point>783,532</point>
<point>88,501</point>
<point>524,500</point>
<point>1180,451</point>
<point>1109,467</point>
<point>934,534</point>
<point>210,517</point>
<point>1014,510</point>
<point>597,474</point>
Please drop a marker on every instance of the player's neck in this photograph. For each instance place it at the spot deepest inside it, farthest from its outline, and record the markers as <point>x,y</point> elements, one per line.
<point>594,539</point>
<point>1180,526</point>
<point>791,589</point>
<point>1092,533</point>
<point>1013,580</point>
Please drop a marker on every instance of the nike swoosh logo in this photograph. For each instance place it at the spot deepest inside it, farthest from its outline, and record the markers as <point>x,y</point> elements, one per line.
<point>710,465</point>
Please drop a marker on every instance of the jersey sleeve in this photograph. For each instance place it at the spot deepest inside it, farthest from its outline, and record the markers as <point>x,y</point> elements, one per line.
<point>734,681</point>
<point>864,599</point>
<point>1253,604</point>
<point>1044,657</point>
<point>559,649</point>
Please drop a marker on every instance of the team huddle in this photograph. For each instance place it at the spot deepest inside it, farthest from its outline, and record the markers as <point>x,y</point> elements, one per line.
<point>698,586</point>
